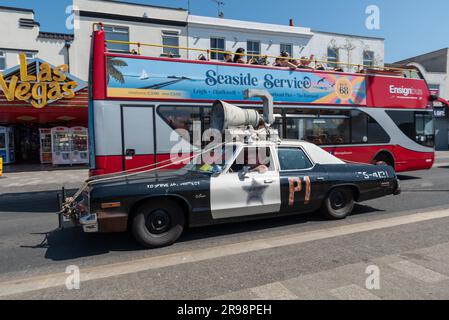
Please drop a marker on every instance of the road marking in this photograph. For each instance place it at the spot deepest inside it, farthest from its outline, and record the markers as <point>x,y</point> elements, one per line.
<point>418,272</point>
<point>128,267</point>
<point>353,292</point>
<point>274,291</point>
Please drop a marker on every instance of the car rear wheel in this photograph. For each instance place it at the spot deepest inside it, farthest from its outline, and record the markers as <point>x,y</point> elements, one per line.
<point>158,223</point>
<point>338,204</point>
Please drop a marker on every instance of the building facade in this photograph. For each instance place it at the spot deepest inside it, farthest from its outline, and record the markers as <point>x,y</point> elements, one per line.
<point>435,68</point>
<point>270,39</point>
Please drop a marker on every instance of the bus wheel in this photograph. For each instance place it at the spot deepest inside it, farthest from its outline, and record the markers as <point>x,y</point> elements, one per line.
<point>158,223</point>
<point>338,204</point>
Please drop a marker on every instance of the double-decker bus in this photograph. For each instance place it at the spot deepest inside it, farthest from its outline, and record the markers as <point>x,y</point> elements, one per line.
<point>138,103</point>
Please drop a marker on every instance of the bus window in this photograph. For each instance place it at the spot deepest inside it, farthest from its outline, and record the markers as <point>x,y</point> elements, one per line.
<point>376,134</point>
<point>359,127</point>
<point>320,131</point>
<point>189,120</point>
<point>418,126</point>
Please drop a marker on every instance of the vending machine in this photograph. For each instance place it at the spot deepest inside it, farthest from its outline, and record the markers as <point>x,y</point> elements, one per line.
<point>45,143</point>
<point>61,146</point>
<point>7,145</point>
<point>80,152</point>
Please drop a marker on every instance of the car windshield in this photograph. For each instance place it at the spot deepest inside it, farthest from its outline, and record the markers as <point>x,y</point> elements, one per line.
<point>214,161</point>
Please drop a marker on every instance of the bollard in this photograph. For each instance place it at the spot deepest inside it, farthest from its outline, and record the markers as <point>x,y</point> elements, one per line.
<point>1,166</point>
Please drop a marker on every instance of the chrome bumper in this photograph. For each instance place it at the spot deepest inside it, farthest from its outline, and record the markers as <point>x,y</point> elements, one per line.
<point>398,190</point>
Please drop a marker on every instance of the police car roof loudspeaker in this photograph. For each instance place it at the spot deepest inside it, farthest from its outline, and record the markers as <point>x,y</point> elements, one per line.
<point>226,115</point>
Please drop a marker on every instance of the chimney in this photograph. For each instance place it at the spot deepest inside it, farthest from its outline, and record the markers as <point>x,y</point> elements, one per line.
<point>291,23</point>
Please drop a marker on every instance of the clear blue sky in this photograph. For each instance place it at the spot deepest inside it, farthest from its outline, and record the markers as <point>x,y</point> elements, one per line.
<point>410,27</point>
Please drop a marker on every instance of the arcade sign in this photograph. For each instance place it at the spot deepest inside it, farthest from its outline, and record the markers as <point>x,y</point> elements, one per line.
<point>48,85</point>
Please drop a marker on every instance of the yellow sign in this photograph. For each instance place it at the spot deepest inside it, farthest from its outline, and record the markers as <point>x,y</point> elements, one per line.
<point>48,85</point>
<point>344,89</point>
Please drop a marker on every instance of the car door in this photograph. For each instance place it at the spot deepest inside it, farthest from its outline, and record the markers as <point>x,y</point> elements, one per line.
<point>303,183</point>
<point>243,190</point>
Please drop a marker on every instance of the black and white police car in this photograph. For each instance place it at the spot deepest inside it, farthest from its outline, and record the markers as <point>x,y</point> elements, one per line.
<point>257,178</point>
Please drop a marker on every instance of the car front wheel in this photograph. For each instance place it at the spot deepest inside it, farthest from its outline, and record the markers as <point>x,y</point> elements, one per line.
<point>158,223</point>
<point>338,204</point>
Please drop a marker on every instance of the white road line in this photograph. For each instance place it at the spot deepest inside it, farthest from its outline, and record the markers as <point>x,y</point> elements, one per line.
<point>418,272</point>
<point>128,267</point>
<point>274,291</point>
<point>353,292</point>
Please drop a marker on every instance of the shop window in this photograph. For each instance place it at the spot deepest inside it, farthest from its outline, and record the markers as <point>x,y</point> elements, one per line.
<point>170,39</point>
<point>252,49</point>
<point>116,33</point>
<point>217,44</point>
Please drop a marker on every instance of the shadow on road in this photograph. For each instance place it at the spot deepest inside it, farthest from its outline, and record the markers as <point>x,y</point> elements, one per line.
<point>403,177</point>
<point>73,243</point>
<point>38,202</point>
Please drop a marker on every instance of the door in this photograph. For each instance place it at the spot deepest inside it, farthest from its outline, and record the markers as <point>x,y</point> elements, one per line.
<point>250,186</point>
<point>138,136</point>
<point>303,184</point>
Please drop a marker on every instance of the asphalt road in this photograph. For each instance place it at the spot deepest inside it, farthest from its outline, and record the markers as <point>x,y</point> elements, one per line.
<point>300,257</point>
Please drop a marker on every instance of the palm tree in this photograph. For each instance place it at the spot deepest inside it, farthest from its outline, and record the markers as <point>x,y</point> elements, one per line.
<point>114,72</point>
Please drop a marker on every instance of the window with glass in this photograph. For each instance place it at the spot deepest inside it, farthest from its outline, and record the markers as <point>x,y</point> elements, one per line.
<point>332,57</point>
<point>323,130</point>
<point>2,60</point>
<point>293,159</point>
<point>252,49</point>
<point>116,33</point>
<point>287,47</point>
<point>170,39</point>
<point>190,121</point>
<point>417,125</point>
<point>255,159</point>
<point>217,44</point>
<point>368,58</point>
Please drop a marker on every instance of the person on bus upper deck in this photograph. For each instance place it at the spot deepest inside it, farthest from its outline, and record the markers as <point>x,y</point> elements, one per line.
<point>239,56</point>
<point>285,61</point>
<point>227,57</point>
<point>304,63</point>
<point>277,62</point>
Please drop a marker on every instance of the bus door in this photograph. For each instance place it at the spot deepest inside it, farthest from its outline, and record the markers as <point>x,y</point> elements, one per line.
<point>137,136</point>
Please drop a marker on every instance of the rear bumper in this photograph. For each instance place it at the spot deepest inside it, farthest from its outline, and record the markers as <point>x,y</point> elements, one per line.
<point>398,189</point>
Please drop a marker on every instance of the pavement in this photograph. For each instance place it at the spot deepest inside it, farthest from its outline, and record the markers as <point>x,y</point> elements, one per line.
<point>391,248</point>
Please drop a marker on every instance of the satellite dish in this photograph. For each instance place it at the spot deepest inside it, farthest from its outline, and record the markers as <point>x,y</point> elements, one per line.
<point>225,116</point>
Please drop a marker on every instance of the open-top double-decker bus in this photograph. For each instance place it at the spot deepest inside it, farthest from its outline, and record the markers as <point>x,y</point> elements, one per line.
<point>139,103</point>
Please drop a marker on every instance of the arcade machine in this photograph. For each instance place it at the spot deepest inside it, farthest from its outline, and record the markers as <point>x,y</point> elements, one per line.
<point>61,146</point>
<point>45,143</point>
<point>7,145</point>
<point>80,153</point>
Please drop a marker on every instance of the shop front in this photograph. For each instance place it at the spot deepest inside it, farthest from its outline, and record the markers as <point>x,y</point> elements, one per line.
<point>43,115</point>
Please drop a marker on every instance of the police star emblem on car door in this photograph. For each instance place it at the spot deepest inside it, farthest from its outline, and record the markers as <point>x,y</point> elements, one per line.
<point>255,192</point>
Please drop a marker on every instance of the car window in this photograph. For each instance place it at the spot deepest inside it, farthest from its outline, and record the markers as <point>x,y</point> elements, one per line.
<point>257,159</point>
<point>293,159</point>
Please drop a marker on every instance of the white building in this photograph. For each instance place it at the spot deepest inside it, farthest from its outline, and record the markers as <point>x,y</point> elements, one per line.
<point>127,22</point>
<point>171,26</point>
<point>21,33</point>
<point>435,68</point>
<point>271,39</point>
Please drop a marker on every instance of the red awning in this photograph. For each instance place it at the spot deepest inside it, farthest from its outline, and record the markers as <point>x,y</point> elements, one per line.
<point>443,101</point>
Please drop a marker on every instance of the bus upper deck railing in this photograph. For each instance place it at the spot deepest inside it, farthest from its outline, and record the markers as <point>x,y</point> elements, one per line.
<point>359,68</point>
